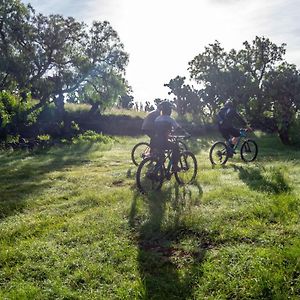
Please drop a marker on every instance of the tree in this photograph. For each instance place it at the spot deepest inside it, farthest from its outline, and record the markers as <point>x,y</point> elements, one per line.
<point>101,92</point>
<point>15,44</point>
<point>249,78</point>
<point>126,101</point>
<point>186,98</point>
<point>58,52</point>
<point>282,93</point>
<point>104,67</point>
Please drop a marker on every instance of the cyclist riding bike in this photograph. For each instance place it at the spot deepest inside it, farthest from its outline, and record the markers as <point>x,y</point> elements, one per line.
<point>164,125</point>
<point>148,123</point>
<point>226,118</point>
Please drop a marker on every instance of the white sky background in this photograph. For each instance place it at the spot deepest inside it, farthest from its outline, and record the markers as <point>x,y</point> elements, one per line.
<point>162,36</point>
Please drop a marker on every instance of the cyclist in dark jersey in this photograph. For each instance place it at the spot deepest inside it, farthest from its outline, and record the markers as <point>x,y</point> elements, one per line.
<point>148,123</point>
<point>164,125</point>
<point>226,117</point>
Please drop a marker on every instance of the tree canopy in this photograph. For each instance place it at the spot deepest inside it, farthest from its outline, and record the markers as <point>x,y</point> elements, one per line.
<point>256,78</point>
<point>53,56</point>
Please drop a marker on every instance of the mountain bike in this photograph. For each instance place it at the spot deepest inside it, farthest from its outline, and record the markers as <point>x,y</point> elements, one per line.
<point>157,168</point>
<point>142,150</point>
<point>221,151</point>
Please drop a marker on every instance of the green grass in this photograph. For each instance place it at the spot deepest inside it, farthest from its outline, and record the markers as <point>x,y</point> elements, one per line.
<point>73,226</point>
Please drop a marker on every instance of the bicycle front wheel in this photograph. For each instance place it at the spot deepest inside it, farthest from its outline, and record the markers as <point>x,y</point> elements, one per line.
<point>187,168</point>
<point>249,151</point>
<point>139,152</point>
<point>149,175</point>
<point>218,153</point>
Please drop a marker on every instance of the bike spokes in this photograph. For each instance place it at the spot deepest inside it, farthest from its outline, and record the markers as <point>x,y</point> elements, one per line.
<point>218,153</point>
<point>139,152</point>
<point>249,151</point>
<point>187,168</point>
<point>149,175</point>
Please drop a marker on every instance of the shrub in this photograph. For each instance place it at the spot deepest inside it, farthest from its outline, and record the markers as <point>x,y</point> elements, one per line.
<point>93,137</point>
<point>44,137</point>
<point>14,112</point>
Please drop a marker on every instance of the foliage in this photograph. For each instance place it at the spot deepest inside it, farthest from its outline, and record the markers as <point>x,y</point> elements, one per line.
<point>44,137</point>
<point>101,93</point>
<point>282,94</point>
<point>256,78</point>
<point>93,137</point>
<point>52,56</point>
<point>13,112</point>
<point>126,101</point>
<point>187,99</point>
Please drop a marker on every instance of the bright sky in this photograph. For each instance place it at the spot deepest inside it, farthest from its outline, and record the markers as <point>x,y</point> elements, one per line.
<point>162,36</point>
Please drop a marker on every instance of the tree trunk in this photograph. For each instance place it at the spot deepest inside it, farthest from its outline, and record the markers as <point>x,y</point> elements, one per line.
<point>60,105</point>
<point>284,136</point>
<point>94,108</point>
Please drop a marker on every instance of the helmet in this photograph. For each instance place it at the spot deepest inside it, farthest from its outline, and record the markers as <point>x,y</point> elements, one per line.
<point>166,107</point>
<point>228,103</point>
<point>165,104</point>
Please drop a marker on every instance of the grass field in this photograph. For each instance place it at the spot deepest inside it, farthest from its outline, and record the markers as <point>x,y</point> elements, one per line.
<point>73,226</point>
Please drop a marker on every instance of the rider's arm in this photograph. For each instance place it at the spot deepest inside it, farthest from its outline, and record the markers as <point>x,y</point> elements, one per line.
<point>175,125</point>
<point>245,123</point>
<point>239,118</point>
<point>181,131</point>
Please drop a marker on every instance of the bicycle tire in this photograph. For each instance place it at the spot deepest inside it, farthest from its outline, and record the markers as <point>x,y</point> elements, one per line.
<point>139,152</point>
<point>188,168</point>
<point>249,146</point>
<point>218,153</point>
<point>149,176</point>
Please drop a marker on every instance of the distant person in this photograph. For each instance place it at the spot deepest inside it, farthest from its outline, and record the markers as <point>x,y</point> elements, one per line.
<point>148,123</point>
<point>164,125</point>
<point>226,119</point>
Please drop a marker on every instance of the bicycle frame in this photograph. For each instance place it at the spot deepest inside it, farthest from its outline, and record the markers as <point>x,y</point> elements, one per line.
<point>161,164</point>
<point>243,135</point>
<point>159,167</point>
<point>167,156</point>
<point>220,151</point>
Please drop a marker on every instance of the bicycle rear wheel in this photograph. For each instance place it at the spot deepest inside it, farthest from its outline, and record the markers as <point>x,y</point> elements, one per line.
<point>187,168</point>
<point>149,175</point>
<point>249,151</point>
<point>218,153</point>
<point>139,152</point>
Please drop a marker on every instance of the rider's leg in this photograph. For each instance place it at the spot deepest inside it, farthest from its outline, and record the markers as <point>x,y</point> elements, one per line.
<point>234,133</point>
<point>234,140</point>
<point>175,155</point>
<point>225,131</point>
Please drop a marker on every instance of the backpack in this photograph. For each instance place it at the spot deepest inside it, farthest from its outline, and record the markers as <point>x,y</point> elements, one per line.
<point>222,115</point>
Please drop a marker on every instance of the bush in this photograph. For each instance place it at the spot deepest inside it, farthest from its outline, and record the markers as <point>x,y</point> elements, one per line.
<point>93,137</point>
<point>14,114</point>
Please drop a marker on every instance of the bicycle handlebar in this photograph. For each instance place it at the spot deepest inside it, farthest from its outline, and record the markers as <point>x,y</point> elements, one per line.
<point>247,129</point>
<point>183,137</point>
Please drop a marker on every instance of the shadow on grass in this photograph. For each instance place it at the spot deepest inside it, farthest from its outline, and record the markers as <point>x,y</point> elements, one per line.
<point>23,174</point>
<point>168,269</point>
<point>272,181</point>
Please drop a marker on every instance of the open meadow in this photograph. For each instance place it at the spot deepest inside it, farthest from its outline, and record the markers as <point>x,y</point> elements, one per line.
<point>73,226</point>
